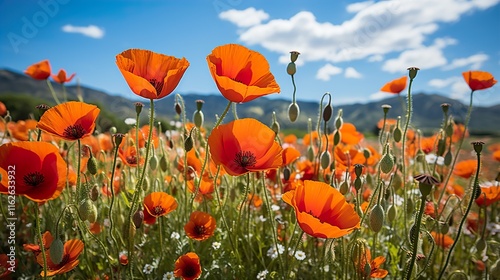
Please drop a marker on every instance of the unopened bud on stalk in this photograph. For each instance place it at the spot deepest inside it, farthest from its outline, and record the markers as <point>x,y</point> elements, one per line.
<point>286,173</point>
<point>336,137</point>
<point>92,164</point>
<point>327,112</point>
<point>112,130</point>
<point>344,188</point>
<point>198,117</point>
<point>94,193</point>
<point>310,154</point>
<point>138,218</point>
<point>178,108</point>
<point>138,107</point>
<point>153,162</point>
<point>325,159</point>
<point>163,163</point>
<point>413,72</point>
<point>387,162</point>
<point>56,250</point>
<point>291,69</point>
<point>391,213</point>
<point>377,216</point>
<point>339,121</point>
<point>88,211</point>
<point>441,147</point>
<point>188,143</point>
<point>293,112</point>
<point>448,158</point>
<point>397,134</point>
<point>275,126</point>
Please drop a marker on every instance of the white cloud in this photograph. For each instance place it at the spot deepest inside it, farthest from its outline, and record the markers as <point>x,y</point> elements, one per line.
<point>376,58</point>
<point>352,73</point>
<point>456,86</point>
<point>379,95</point>
<point>356,7</point>
<point>325,72</point>
<point>89,31</point>
<point>423,57</point>
<point>474,61</point>
<point>381,28</point>
<point>442,83</point>
<point>244,18</point>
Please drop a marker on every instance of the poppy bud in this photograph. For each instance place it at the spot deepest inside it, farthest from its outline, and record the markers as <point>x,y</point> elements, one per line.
<point>138,218</point>
<point>153,162</point>
<point>310,154</point>
<point>138,107</point>
<point>447,158</point>
<point>178,108</point>
<point>286,173</point>
<point>92,164</point>
<point>339,121</point>
<point>325,159</point>
<point>441,146</point>
<point>198,117</point>
<point>112,130</point>
<point>366,153</point>
<point>188,143</point>
<point>391,213</point>
<point>94,193</point>
<point>87,211</point>
<point>293,112</point>
<point>397,134</point>
<point>344,188</point>
<point>291,69</point>
<point>358,169</point>
<point>163,163</point>
<point>294,55</point>
<point>357,183</point>
<point>377,217</point>
<point>480,244</point>
<point>336,137</point>
<point>56,251</point>
<point>413,72</point>
<point>386,163</point>
<point>327,112</point>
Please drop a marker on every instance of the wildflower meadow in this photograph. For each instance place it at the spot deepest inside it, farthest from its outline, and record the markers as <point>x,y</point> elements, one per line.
<point>241,199</point>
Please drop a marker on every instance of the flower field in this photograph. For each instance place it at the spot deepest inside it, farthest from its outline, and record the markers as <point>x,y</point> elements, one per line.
<point>240,199</point>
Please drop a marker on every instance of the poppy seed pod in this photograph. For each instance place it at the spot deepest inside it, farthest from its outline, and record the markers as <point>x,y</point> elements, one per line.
<point>412,72</point>
<point>293,112</point>
<point>56,250</point>
<point>445,107</point>
<point>377,216</point>
<point>138,107</point>
<point>478,146</point>
<point>386,108</point>
<point>294,55</point>
<point>291,69</point>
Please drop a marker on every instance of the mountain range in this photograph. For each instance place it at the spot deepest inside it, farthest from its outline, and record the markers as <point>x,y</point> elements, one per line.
<point>427,112</point>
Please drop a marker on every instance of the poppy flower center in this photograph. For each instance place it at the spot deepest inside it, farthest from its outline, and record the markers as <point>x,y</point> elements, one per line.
<point>158,210</point>
<point>199,230</point>
<point>33,179</point>
<point>74,131</point>
<point>158,85</point>
<point>245,159</point>
<point>131,160</point>
<point>189,271</point>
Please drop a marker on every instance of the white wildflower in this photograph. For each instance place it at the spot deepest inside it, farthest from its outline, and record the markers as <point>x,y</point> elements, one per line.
<point>216,245</point>
<point>130,121</point>
<point>148,269</point>
<point>262,275</point>
<point>300,255</point>
<point>175,235</point>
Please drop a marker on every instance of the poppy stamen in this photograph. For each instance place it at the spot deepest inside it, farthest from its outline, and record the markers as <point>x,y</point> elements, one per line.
<point>33,179</point>
<point>189,272</point>
<point>158,210</point>
<point>131,160</point>
<point>158,85</point>
<point>74,131</point>
<point>245,159</point>
<point>199,230</point>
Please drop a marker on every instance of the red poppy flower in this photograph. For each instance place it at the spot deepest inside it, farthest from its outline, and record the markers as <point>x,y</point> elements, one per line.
<point>72,250</point>
<point>188,266</point>
<point>3,109</point>
<point>40,171</point>
<point>206,188</point>
<point>200,226</point>
<point>321,210</point>
<point>62,77</point>
<point>395,86</point>
<point>478,80</point>
<point>488,196</point>
<point>245,145</point>
<point>39,70</point>
<point>375,270</point>
<point>47,239</point>
<point>6,267</point>
<point>241,74</point>
<point>465,168</point>
<point>442,240</point>
<point>158,204</point>
<point>149,74</point>
<point>71,120</point>
<point>349,134</point>
<point>290,154</point>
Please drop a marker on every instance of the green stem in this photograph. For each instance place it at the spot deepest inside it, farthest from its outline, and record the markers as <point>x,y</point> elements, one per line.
<point>294,89</point>
<point>53,92</point>
<point>65,98</point>
<point>403,169</point>
<point>137,190</point>
<point>415,237</point>
<point>475,189</point>
<point>112,189</point>
<point>40,239</point>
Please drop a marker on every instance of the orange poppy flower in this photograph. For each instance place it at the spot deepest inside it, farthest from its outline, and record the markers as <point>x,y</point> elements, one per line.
<point>72,249</point>
<point>458,132</point>
<point>442,240</point>
<point>241,74</point>
<point>158,204</point>
<point>149,74</point>
<point>128,154</point>
<point>21,129</point>
<point>350,135</point>
<point>39,70</point>
<point>71,120</point>
<point>47,239</point>
<point>62,77</point>
<point>3,109</point>
<point>478,80</point>
<point>395,86</point>
<point>206,188</point>
<point>488,196</point>
<point>321,210</point>
<point>290,139</point>
<point>188,266</point>
<point>465,168</point>
<point>376,271</point>
<point>290,155</point>
<point>389,123</point>
<point>254,200</point>
<point>200,226</point>
<point>40,171</point>
<point>245,145</point>
<point>496,155</point>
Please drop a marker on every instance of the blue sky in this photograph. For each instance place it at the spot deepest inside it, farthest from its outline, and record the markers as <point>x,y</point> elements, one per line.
<point>348,48</point>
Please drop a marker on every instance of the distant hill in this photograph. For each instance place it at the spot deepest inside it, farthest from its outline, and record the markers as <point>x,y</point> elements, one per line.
<point>427,114</point>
